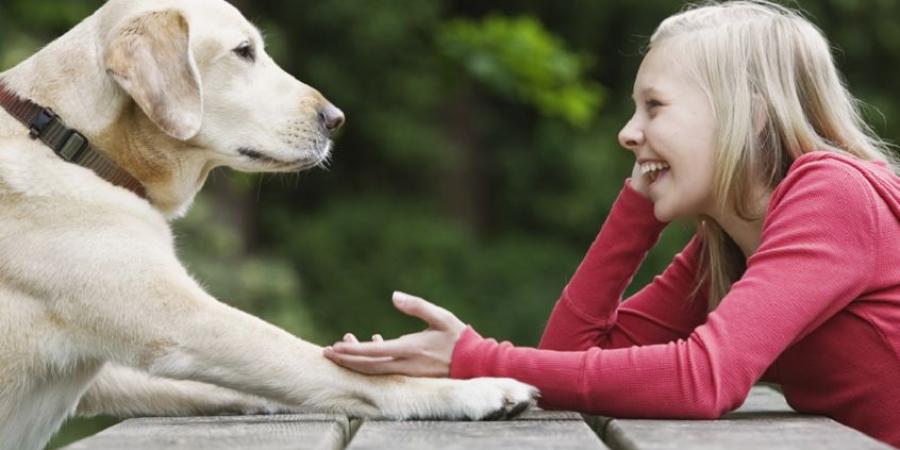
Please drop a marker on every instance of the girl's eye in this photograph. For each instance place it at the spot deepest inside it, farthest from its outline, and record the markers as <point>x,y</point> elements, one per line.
<point>245,51</point>
<point>652,104</point>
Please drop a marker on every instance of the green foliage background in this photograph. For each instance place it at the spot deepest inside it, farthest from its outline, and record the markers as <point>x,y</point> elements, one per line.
<point>478,161</point>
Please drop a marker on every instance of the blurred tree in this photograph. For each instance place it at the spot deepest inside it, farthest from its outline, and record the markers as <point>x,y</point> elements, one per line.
<point>519,58</point>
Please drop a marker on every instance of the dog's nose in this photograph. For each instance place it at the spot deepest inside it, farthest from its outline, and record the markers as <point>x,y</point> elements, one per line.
<point>331,116</point>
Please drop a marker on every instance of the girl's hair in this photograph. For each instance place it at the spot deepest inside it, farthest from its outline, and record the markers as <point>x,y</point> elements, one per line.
<point>776,94</point>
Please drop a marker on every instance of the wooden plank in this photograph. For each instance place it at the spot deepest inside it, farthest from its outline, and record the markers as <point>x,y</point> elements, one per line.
<point>277,432</point>
<point>753,433</point>
<point>764,421</point>
<point>542,414</point>
<point>534,430</point>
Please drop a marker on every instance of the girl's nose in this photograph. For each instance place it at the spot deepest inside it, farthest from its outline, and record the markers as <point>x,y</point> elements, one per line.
<point>631,137</point>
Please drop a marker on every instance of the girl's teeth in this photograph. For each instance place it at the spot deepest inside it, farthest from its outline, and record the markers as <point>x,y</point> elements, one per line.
<point>649,168</point>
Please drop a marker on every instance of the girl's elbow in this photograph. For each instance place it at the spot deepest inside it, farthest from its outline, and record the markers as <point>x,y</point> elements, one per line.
<point>716,405</point>
<point>709,411</point>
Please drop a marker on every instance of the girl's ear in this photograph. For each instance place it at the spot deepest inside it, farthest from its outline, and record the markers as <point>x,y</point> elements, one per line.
<point>760,113</point>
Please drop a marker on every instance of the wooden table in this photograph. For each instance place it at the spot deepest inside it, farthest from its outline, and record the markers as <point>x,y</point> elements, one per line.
<point>764,421</point>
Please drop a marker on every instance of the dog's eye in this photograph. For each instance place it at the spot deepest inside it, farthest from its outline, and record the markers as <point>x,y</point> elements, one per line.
<point>245,51</point>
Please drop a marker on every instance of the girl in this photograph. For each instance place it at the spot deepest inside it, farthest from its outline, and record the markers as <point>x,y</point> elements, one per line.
<point>793,276</point>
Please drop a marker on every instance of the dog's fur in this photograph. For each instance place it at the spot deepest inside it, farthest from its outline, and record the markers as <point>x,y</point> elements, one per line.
<point>97,315</point>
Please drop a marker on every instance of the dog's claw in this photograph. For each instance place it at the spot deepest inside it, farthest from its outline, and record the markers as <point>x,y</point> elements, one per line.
<point>515,401</point>
<point>518,409</point>
<point>499,414</point>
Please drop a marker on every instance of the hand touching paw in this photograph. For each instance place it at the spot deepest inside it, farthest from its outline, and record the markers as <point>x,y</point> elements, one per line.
<point>424,354</point>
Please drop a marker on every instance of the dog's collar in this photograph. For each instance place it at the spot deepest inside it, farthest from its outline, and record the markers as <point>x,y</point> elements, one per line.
<point>69,144</point>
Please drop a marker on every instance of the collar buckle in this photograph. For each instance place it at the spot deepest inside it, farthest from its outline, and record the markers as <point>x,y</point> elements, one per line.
<point>73,147</point>
<point>41,121</point>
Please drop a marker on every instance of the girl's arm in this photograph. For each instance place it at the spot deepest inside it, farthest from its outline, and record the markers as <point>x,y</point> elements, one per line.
<point>820,223</point>
<point>589,313</point>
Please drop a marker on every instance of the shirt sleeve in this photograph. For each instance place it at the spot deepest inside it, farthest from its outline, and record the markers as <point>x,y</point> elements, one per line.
<point>820,223</point>
<point>590,313</point>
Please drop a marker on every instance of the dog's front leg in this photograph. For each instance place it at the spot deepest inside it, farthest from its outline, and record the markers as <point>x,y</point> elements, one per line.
<point>125,392</point>
<point>166,325</point>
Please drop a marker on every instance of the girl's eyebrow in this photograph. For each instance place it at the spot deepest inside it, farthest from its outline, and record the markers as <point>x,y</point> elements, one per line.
<point>645,92</point>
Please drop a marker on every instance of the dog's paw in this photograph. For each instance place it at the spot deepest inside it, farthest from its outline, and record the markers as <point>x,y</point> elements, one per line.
<point>494,398</point>
<point>475,399</point>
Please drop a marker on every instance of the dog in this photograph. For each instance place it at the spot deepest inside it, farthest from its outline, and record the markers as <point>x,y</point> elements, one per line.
<point>97,315</point>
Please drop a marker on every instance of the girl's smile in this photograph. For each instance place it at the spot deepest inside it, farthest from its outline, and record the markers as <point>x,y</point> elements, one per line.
<point>654,170</point>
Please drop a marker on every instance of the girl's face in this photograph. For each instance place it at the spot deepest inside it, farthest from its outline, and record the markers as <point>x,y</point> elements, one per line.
<point>672,135</point>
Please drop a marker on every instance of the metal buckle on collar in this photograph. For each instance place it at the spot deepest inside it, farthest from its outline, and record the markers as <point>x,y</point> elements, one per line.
<point>40,123</point>
<point>73,146</point>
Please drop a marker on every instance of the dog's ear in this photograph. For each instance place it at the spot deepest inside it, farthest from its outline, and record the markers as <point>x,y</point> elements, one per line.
<point>151,59</point>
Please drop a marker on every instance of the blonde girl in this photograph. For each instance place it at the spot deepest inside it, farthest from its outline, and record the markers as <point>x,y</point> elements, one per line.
<point>742,122</point>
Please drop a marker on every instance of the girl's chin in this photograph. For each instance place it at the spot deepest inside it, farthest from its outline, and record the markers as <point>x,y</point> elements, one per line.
<point>663,219</point>
<point>659,214</point>
<point>662,213</point>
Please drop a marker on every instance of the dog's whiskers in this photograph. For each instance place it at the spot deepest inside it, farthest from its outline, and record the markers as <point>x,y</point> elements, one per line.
<point>259,186</point>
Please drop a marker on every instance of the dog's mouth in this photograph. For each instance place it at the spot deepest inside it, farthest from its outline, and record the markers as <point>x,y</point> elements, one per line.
<point>269,162</point>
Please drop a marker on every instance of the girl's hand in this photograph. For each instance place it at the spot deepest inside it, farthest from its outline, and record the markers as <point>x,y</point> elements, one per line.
<point>424,354</point>
<point>639,181</point>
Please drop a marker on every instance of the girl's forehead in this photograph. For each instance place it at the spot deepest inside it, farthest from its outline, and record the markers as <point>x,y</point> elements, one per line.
<point>660,72</point>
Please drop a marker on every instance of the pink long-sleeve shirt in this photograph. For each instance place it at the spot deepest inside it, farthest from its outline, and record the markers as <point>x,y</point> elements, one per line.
<point>817,310</point>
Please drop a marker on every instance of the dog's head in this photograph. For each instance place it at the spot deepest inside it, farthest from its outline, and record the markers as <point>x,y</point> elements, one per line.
<point>199,71</point>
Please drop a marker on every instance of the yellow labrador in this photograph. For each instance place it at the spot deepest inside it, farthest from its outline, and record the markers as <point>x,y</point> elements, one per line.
<point>97,315</point>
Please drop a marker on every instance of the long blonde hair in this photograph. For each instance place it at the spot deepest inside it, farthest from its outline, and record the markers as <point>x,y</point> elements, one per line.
<point>776,94</point>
